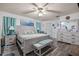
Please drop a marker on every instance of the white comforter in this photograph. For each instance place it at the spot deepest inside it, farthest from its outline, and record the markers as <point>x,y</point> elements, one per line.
<point>30,39</point>
<point>30,36</point>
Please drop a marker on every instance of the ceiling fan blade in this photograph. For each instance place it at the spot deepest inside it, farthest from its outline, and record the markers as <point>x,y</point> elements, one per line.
<point>53,11</point>
<point>35,4</point>
<point>29,12</point>
<point>45,5</point>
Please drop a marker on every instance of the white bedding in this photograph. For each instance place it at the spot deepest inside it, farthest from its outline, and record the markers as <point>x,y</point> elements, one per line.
<point>30,36</point>
<point>28,40</point>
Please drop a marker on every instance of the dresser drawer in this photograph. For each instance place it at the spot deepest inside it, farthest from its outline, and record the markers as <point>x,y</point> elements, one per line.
<point>10,40</point>
<point>67,37</point>
<point>60,37</point>
<point>75,38</point>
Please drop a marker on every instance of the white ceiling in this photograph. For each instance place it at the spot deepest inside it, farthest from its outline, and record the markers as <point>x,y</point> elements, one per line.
<point>20,8</point>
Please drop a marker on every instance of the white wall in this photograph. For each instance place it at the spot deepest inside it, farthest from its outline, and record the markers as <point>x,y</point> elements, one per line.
<point>18,18</point>
<point>48,28</point>
<point>46,25</point>
<point>72,16</point>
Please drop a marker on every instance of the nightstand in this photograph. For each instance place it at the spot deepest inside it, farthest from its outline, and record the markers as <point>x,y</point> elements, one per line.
<point>10,40</point>
<point>10,43</point>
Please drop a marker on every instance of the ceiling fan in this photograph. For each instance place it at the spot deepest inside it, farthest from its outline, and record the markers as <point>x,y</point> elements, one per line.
<point>41,10</point>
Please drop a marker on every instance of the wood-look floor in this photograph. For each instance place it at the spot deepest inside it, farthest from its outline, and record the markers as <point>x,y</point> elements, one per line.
<point>63,49</point>
<point>11,49</point>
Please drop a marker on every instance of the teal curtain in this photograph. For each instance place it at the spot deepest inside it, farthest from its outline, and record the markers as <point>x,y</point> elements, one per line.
<point>38,26</point>
<point>7,22</point>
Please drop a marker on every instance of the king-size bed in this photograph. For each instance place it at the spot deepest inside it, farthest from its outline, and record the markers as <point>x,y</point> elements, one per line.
<point>26,41</point>
<point>27,37</point>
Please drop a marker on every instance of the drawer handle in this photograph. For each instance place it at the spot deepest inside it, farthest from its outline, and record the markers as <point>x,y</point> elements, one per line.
<point>73,38</point>
<point>73,35</point>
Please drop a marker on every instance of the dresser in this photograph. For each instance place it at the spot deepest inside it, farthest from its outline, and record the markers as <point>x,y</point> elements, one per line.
<point>69,37</point>
<point>69,31</point>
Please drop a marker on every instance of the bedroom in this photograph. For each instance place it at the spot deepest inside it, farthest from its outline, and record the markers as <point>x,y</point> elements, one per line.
<point>41,29</point>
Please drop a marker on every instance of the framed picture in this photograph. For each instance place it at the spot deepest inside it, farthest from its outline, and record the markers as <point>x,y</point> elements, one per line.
<point>26,23</point>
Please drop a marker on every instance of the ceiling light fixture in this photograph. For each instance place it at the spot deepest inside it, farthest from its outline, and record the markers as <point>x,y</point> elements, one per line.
<point>44,13</point>
<point>40,14</point>
<point>41,11</point>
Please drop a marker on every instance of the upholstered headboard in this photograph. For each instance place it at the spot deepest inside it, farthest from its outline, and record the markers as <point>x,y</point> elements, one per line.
<point>25,30</point>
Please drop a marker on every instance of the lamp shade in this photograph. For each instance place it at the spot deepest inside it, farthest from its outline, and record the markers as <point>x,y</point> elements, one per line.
<point>11,28</point>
